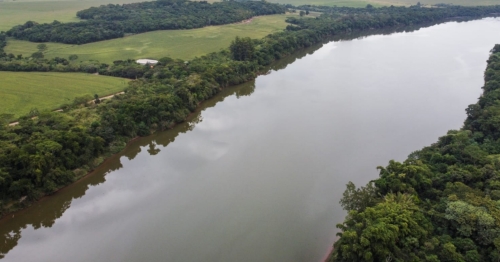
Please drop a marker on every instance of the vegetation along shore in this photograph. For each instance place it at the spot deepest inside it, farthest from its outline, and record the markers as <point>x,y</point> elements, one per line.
<point>441,203</point>
<point>42,154</point>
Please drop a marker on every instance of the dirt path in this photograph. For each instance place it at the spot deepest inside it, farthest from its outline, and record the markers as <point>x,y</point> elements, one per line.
<point>111,96</point>
<point>91,101</point>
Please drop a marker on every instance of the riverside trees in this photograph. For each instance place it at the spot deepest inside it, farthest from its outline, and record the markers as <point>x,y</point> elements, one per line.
<point>41,154</point>
<point>454,187</point>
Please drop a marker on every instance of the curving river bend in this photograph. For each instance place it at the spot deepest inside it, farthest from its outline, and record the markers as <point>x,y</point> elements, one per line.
<point>257,172</point>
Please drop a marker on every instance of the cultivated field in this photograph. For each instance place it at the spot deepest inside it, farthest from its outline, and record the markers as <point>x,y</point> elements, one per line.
<point>21,92</point>
<point>183,44</point>
<point>43,11</point>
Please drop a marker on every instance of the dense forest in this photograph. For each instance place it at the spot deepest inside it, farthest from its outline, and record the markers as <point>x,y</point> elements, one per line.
<point>48,150</point>
<point>442,203</point>
<point>114,21</point>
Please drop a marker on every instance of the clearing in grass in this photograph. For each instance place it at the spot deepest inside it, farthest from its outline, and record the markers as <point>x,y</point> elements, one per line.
<point>21,91</point>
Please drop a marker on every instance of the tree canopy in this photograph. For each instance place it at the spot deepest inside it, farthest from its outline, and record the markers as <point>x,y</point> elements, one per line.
<point>454,185</point>
<point>441,204</point>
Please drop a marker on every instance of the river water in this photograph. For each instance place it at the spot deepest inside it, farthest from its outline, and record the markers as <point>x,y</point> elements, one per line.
<point>257,173</point>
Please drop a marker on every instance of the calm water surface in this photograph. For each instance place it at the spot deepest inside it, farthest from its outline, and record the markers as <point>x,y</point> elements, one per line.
<point>257,173</point>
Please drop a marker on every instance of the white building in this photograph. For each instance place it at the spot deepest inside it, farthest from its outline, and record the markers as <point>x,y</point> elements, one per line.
<point>147,62</point>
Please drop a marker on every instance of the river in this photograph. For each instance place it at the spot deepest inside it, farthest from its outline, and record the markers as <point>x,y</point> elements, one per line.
<point>257,172</point>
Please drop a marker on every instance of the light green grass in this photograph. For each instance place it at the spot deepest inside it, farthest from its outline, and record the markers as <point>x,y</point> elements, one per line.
<point>18,12</point>
<point>183,44</point>
<point>21,92</point>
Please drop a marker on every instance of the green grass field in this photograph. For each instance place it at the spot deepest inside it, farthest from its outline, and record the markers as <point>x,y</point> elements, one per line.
<point>183,44</point>
<point>21,92</point>
<point>43,11</point>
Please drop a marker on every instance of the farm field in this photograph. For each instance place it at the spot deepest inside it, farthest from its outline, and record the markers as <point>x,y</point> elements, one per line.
<point>18,12</point>
<point>22,91</point>
<point>183,44</point>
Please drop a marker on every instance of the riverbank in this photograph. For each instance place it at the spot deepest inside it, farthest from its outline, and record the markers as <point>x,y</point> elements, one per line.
<point>328,256</point>
<point>451,184</point>
<point>162,97</point>
<point>244,173</point>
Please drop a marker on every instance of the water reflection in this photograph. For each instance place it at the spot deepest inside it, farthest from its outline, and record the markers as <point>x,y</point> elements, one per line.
<point>47,211</point>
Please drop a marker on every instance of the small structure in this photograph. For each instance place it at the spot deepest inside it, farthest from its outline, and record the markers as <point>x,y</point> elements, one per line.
<point>147,62</point>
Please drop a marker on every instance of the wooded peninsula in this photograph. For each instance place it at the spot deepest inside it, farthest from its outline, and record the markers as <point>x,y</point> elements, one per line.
<point>441,204</point>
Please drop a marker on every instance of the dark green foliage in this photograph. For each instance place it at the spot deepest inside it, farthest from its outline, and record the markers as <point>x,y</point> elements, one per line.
<point>96,99</point>
<point>37,55</point>
<point>242,49</point>
<point>69,33</point>
<point>456,186</point>
<point>438,205</point>
<point>359,199</point>
<point>41,47</point>
<point>39,155</point>
<point>349,19</point>
<point>3,43</point>
<point>392,230</point>
<point>113,21</point>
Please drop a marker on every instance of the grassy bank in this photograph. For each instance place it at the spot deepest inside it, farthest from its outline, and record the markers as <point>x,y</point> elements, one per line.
<point>22,91</point>
<point>183,44</point>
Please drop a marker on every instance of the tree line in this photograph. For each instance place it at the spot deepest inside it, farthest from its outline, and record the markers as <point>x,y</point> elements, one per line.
<point>442,203</point>
<point>3,43</point>
<point>47,150</point>
<point>114,21</point>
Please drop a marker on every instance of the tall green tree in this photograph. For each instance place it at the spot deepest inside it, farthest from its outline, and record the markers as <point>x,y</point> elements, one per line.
<point>41,47</point>
<point>242,49</point>
<point>393,230</point>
